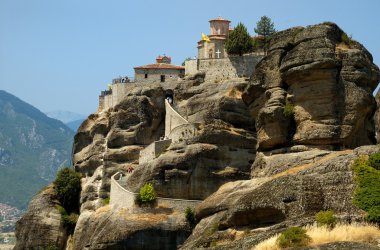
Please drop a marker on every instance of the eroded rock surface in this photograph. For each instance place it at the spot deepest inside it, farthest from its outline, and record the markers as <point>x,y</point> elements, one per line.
<point>41,226</point>
<point>243,213</point>
<point>325,83</point>
<point>121,228</point>
<point>223,150</point>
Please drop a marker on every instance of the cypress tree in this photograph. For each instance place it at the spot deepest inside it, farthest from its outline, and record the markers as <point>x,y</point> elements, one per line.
<point>239,41</point>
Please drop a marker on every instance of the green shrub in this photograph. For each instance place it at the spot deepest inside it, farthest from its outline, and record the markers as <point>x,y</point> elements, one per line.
<point>68,221</point>
<point>147,194</point>
<point>106,201</point>
<point>67,186</point>
<point>373,215</point>
<point>190,216</point>
<point>374,161</point>
<point>293,237</point>
<point>288,109</point>
<point>346,39</point>
<point>367,192</point>
<point>326,218</point>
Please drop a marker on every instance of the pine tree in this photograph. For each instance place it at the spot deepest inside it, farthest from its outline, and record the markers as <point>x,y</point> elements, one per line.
<point>265,28</point>
<point>239,41</point>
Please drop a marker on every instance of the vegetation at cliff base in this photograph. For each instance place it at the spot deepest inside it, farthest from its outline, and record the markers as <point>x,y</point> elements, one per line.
<point>293,237</point>
<point>67,186</point>
<point>367,193</point>
<point>239,41</point>
<point>374,161</point>
<point>146,195</point>
<point>326,218</point>
<point>353,232</point>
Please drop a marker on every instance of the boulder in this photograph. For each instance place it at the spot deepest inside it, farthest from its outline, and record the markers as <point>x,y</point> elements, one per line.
<point>41,226</point>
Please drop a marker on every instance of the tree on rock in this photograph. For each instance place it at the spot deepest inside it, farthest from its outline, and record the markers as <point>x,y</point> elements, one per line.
<point>265,28</point>
<point>68,187</point>
<point>239,41</point>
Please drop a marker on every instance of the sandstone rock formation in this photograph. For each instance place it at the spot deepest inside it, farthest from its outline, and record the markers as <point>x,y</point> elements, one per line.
<point>323,80</point>
<point>310,96</point>
<point>110,141</point>
<point>145,228</point>
<point>243,213</point>
<point>41,226</point>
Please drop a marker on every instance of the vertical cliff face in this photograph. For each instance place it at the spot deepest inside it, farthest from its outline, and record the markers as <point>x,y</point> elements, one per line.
<point>222,150</point>
<point>311,95</point>
<point>314,88</point>
<point>41,226</point>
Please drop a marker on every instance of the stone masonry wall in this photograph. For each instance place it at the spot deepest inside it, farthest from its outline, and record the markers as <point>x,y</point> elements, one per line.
<point>172,119</point>
<point>121,197</point>
<point>154,75</point>
<point>184,132</point>
<point>191,67</point>
<point>226,68</point>
<point>153,150</point>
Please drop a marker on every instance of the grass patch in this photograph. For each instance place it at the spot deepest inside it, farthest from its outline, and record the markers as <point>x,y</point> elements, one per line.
<point>320,235</point>
<point>288,109</point>
<point>293,237</point>
<point>326,219</point>
<point>106,201</point>
<point>190,216</point>
<point>374,161</point>
<point>367,193</point>
<point>69,220</point>
<point>346,39</point>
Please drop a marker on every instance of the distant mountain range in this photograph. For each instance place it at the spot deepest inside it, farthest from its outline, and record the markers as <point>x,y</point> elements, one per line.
<point>32,148</point>
<point>74,125</point>
<point>65,116</point>
<point>71,119</point>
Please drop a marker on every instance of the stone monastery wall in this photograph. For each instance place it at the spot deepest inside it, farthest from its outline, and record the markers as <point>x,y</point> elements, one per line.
<point>172,119</point>
<point>121,197</point>
<point>153,150</point>
<point>225,68</point>
<point>155,75</point>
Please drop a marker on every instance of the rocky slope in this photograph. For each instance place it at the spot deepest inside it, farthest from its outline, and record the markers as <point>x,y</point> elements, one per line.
<point>32,148</point>
<point>309,97</point>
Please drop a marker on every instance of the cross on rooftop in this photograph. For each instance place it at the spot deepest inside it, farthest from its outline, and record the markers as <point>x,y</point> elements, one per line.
<point>218,53</point>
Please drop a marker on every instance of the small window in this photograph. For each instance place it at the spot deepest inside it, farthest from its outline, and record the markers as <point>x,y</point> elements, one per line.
<point>146,75</point>
<point>162,78</point>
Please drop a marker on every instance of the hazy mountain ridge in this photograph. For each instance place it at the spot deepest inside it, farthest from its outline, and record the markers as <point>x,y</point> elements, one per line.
<point>32,148</point>
<point>74,125</point>
<point>65,116</point>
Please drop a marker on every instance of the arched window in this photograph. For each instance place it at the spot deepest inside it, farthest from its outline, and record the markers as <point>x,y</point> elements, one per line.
<point>210,53</point>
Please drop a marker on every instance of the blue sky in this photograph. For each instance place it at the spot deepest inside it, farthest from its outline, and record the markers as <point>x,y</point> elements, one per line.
<point>59,55</point>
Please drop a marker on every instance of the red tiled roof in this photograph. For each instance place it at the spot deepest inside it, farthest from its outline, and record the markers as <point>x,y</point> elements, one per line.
<point>160,66</point>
